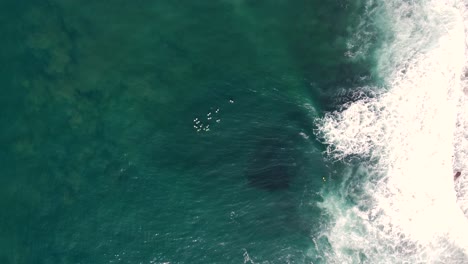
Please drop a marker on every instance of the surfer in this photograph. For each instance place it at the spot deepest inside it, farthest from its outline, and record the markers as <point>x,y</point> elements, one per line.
<point>455,177</point>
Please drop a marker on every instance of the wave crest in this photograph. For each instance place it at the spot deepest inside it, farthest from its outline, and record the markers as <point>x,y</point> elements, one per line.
<point>405,209</point>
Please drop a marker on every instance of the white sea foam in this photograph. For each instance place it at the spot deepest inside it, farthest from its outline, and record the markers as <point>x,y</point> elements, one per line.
<point>411,136</point>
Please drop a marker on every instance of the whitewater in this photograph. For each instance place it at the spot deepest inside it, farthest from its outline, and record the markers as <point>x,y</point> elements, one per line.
<point>403,142</point>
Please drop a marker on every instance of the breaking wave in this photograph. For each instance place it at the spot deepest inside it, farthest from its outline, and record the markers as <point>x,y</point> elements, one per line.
<point>399,203</point>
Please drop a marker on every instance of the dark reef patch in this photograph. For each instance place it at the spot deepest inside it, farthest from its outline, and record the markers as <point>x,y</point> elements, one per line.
<point>273,163</point>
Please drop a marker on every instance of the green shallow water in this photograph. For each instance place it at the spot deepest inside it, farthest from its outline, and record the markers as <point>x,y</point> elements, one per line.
<point>100,159</point>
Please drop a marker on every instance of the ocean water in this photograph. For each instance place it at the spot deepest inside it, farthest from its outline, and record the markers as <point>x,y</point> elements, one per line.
<point>233,131</point>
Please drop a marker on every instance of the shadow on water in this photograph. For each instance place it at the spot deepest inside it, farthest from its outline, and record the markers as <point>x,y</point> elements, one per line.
<point>272,165</point>
<point>286,167</point>
<point>278,155</point>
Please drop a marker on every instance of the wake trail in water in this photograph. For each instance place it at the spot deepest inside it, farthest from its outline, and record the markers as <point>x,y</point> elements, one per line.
<point>400,204</point>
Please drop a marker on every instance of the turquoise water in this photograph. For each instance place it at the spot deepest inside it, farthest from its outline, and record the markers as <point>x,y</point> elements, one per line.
<point>169,131</point>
